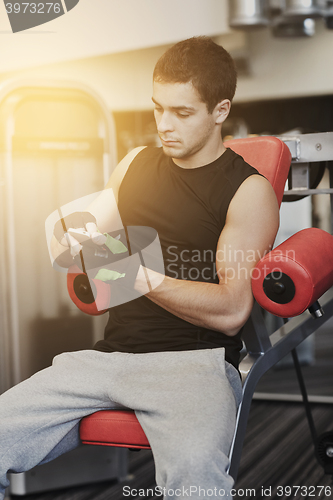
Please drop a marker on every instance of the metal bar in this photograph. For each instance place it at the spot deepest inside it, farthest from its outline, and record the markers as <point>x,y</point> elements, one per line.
<point>306,192</point>
<point>300,175</point>
<point>310,147</point>
<point>65,231</point>
<point>331,193</point>
<point>283,340</point>
<point>304,395</point>
<point>295,398</point>
<point>5,341</point>
<point>255,334</point>
<point>11,255</point>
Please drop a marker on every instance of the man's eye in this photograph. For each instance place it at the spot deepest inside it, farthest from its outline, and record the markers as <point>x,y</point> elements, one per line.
<point>183,115</point>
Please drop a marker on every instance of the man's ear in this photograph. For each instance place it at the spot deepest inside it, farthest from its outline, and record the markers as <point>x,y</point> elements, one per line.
<point>222,110</point>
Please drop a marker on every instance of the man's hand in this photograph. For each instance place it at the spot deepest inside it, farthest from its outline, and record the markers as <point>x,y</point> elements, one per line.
<point>76,228</point>
<point>104,209</point>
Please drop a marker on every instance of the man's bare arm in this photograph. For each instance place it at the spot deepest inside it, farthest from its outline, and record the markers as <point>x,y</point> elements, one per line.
<point>104,209</point>
<point>250,229</point>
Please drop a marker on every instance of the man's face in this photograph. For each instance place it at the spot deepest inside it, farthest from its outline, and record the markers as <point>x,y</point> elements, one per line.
<point>186,129</point>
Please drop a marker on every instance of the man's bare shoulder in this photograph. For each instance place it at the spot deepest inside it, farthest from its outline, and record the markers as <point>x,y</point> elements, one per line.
<point>253,215</point>
<point>119,172</point>
<point>255,194</point>
<point>259,184</point>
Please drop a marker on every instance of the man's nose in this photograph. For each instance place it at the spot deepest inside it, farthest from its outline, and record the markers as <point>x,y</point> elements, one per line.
<point>164,123</point>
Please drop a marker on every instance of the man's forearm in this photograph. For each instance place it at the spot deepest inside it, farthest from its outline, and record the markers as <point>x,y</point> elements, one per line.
<point>207,305</point>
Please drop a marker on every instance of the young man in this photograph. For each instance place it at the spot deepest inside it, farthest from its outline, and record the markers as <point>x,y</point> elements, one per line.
<point>171,354</point>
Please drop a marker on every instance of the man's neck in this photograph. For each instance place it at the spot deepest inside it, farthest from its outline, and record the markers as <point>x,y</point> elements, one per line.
<point>200,159</point>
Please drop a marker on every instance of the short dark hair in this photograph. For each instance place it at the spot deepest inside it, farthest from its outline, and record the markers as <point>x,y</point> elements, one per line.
<point>207,65</point>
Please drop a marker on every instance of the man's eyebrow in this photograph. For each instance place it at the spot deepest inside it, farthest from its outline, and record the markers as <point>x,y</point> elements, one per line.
<point>175,108</point>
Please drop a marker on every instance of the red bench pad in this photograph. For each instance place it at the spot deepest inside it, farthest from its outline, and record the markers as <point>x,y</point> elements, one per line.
<point>306,257</point>
<point>113,428</point>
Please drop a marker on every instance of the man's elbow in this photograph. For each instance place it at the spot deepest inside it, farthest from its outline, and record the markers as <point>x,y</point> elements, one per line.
<point>237,318</point>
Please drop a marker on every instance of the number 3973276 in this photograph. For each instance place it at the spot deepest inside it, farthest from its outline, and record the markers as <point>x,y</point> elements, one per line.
<point>33,8</point>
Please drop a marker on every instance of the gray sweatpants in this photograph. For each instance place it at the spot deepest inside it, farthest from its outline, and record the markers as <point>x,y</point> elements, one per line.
<point>185,401</point>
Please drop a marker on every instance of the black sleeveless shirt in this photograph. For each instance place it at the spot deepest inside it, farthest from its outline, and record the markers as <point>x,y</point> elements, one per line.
<point>188,208</point>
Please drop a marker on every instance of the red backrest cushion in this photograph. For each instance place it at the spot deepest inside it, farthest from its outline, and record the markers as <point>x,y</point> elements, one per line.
<point>269,155</point>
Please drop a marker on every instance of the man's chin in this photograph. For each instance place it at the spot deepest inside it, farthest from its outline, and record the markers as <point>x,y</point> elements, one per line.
<point>172,151</point>
<point>168,151</point>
